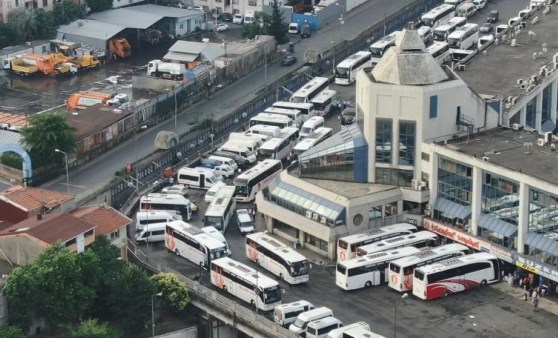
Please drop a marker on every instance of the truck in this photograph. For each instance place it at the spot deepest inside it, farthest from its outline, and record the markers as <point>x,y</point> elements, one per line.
<point>65,68</point>
<point>31,64</point>
<point>120,101</point>
<point>166,70</point>
<point>120,48</point>
<point>86,62</point>
<point>84,99</point>
<point>305,30</point>
<point>249,17</point>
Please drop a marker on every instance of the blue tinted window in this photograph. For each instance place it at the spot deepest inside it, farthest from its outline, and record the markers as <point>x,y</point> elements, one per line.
<point>433,106</point>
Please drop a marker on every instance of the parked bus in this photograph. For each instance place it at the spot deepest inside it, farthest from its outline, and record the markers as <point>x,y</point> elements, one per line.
<point>338,333</point>
<point>189,242</point>
<point>369,270</point>
<point>442,32</point>
<point>438,16</point>
<point>172,203</point>
<point>419,239</point>
<point>401,270</point>
<point>310,90</point>
<point>347,246</point>
<point>267,119</point>
<point>323,102</point>
<point>455,275</point>
<point>281,146</point>
<point>293,114</point>
<point>464,37</point>
<point>263,130</point>
<point>360,332</point>
<point>245,283</point>
<point>277,258</point>
<point>255,179</point>
<point>346,70</point>
<point>440,51</point>
<point>380,47</point>
<point>306,108</point>
<point>221,209</point>
<point>313,139</point>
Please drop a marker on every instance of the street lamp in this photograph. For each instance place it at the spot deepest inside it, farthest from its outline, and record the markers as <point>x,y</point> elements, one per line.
<point>153,312</point>
<point>403,297</point>
<point>67,173</point>
<point>258,274</point>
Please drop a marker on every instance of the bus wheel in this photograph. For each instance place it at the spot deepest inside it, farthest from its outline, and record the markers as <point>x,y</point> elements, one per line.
<point>177,252</point>
<point>445,294</point>
<point>483,283</point>
<point>368,284</point>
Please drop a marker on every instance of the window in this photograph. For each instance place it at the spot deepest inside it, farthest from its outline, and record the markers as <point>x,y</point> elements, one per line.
<point>407,134</point>
<point>316,242</point>
<point>115,234</point>
<point>71,242</point>
<point>45,3</point>
<point>181,26</point>
<point>433,106</point>
<point>397,177</point>
<point>88,233</point>
<point>383,140</point>
<point>252,3</point>
<point>425,157</point>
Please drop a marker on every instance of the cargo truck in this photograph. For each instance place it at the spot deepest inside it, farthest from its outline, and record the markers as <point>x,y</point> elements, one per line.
<point>166,70</point>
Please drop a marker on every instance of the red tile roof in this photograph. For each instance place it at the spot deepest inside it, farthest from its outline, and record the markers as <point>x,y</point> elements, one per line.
<point>29,198</point>
<point>105,218</point>
<point>50,228</point>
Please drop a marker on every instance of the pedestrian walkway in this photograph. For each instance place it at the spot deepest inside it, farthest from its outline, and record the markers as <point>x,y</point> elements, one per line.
<point>546,303</point>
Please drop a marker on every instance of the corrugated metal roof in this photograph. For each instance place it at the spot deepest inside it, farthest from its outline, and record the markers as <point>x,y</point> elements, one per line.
<point>126,17</point>
<point>451,209</point>
<point>210,51</point>
<point>165,11</point>
<point>182,57</point>
<point>190,47</point>
<point>92,29</point>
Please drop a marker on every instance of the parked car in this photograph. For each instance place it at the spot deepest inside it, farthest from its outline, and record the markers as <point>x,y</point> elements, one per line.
<point>479,4</point>
<point>197,8</point>
<point>238,19</point>
<point>289,60</point>
<point>487,28</point>
<point>493,16</point>
<point>179,189</point>
<point>226,17</point>
<point>222,27</point>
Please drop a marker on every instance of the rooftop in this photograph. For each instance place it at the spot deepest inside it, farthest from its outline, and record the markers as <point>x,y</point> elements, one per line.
<point>29,198</point>
<point>347,189</point>
<point>515,150</point>
<point>192,49</point>
<point>497,72</point>
<point>127,18</point>
<point>91,28</point>
<point>17,48</point>
<point>165,11</point>
<point>95,118</point>
<point>50,228</point>
<point>103,217</point>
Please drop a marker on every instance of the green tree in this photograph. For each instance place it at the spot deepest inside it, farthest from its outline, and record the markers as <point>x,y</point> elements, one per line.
<point>99,5</point>
<point>8,35</point>
<point>175,292</point>
<point>43,24</point>
<point>8,331</point>
<point>68,11</point>
<point>93,329</point>
<point>278,28</point>
<point>45,133</point>
<point>22,23</point>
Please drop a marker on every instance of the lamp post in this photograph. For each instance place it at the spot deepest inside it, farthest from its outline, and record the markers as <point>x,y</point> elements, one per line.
<point>67,172</point>
<point>403,297</point>
<point>153,312</point>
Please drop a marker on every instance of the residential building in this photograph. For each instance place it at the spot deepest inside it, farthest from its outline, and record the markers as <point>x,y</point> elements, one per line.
<point>6,6</point>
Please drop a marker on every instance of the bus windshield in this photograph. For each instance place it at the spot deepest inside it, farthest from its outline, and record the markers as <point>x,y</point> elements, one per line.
<point>342,71</point>
<point>378,52</point>
<point>213,221</point>
<point>299,268</point>
<point>440,35</point>
<point>428,21</point>
<point>266,153</point>
<point>218,253</point>
<point>454,43</point>
<point>271,295</point>
<point>341,269</point>
<point>419,275</point>
<point>241,187</point>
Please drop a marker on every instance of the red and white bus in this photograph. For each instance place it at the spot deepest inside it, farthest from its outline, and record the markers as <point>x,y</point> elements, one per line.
<point>455,275</point>
<point>401,270</point>
<point>347,246</point>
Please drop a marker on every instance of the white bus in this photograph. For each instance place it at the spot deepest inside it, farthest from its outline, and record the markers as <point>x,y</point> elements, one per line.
<point>313,139</point>
<point>279,147</point>
<point>245,283</point>
<point>442,32</point>
<point>346,70</point>
<point>401,270</point>
<point>338,333</point>
<point>277,258</point>
<point>360,332</point>
<point>438,16</point>
<point>419,239</point>
<point>440,51</point>
<point>255,179</point>
<point>381,46</point>
<point>310,90</point>
<point>306,108</point>
<point>189,242</point>
<point>464,37</point>
<point>323,102</point>
<point>263,130</point>
<point>267,119</point>
<point>369,270</point>
<point>293,114</point>
<point>347,246</point>
<point>455,275</point>
<point>174,204</point>
<point>221,209</point>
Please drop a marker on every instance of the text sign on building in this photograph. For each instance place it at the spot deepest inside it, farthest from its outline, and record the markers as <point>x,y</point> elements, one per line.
<point>534,267</point>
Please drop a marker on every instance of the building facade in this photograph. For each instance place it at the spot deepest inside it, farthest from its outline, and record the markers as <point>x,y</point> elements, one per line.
<point>6,6</point>
<point>235,6</point>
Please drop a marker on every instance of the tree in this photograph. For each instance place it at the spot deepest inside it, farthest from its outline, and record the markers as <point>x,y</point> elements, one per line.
<point>99,5</point>
<point>22,23</point>
<point>175,292</point>
<point>278,28</point>
<point>7,35</point>
<point>8,331</point>
<point>258,27</point>
<point>68,11</point>
<point>45,133</point>
<point>43,24</point>
<point>93,329</point>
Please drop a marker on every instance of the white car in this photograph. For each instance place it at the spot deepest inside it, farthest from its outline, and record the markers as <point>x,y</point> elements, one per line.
<point>479,4</point>
<point>238,19</point>
<point>221,27</point>
<point>197,8</point>
<point>179,189</point>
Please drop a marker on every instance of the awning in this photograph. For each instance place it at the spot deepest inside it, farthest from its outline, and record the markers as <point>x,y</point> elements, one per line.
<point>542,243</point>
<point>183,57</point>
<point>548,126</point>
<point>497,225</point>
<point>451,209</point>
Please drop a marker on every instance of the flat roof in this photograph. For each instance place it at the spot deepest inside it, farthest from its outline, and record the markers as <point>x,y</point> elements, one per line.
<point>127,18</point>
<point>94,119</point>
<point>497,72</point>
<point>515,150</point>
<point>166,11</point>
<point>91,29</point>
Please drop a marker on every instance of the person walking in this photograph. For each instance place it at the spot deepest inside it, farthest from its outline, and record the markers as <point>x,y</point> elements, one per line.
<point>535,301</point>
<point>526,293</point>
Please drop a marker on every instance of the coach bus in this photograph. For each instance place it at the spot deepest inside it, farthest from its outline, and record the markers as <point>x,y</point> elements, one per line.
<point>346,70</point>
<point>221,209</point>
<point>171,203</point>
<point>440,51</point>
<point>419,239</point>
<point>464,37</point>
<point>255,179</point>
<point>438,16</point>
<point>310,90</point>
<point>305,108</point>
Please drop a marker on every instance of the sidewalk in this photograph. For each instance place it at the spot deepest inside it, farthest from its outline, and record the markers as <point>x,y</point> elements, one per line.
<point>546,303</point>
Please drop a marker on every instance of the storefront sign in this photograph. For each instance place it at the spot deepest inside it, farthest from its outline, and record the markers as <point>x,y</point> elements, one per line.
<point>544,270</point>
<point>527,267</point>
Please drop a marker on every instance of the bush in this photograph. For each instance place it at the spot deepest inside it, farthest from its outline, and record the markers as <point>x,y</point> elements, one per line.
<point>11,160</point>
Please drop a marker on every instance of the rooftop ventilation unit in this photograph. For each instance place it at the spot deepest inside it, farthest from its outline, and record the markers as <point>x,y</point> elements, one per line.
<point>516,126</point>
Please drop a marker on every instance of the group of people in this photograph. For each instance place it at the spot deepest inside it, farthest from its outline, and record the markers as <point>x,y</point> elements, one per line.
<point>533,290</point>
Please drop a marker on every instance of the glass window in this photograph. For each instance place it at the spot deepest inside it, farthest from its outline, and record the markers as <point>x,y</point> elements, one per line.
<point>425,157</point>
<point>316,242</point>
<point>433,106</point>
<point>454,181</point>
<point>397,177</point>
<point>285,228</point>
<point>383,140</point>
<point>543,213</point>
<point>531,112</point>
<point>546,103</point>
<point>407,136</point>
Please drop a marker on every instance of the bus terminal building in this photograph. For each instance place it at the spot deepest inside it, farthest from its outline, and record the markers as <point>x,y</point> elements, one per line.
<point>429,150</point>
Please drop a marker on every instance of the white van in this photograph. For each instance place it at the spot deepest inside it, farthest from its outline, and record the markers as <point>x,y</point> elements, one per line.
<point>218,235</point>
<point>245,222</point>
<point>213,191</point>
<point>338,333</point>
<point>224,161</point>
<point>249,17</point>
<point>303,319</point>
<point>311,125</point>
<point>199,177</point>
<point>144,218</point>
<point>240,150</point>
<point>265,130</point>
<point>321,327</point>
<point>286,314</point>
<point>152,233</point>
<point>466,10</point>
<point>293,28</point>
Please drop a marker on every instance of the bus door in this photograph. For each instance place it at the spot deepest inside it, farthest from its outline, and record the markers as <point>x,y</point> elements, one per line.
<point>202,181</point>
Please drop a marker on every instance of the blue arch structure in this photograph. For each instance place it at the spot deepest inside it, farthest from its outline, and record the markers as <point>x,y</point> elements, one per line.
<point>27,169</point>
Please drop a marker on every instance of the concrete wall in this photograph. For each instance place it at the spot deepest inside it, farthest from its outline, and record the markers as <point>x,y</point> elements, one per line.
<point>20,249</point>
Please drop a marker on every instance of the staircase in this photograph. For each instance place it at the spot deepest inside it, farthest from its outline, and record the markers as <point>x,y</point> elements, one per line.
<point>465,122</point>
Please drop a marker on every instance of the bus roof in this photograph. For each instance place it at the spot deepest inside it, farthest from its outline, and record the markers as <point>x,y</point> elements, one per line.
<point>360,332</point>
<point>403,239</point>
<point>263,129</point>
<point>382,256</point>
<point>456,21</point>
<point>311,85</point>
<point>258,168</point>
<point>320,132</point>
<point>460,31</point>
<point>162,198</point>
<point>456,261</point>
<point>379,231</point>
<point>193,232</point>
<point>271,117</point>
<point>324,95</point>
<point>437,10</point>
<point>351,60</point>
<point>249,274</point>
<point>272,143</point>
<point>272,244</point>
<point>386,40</point>
<point>305,144</point>
<point>281,111</point>
<point>220,201</point>
<point>430,253</point>
<point>437,45</point>
<point>293,105</point>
